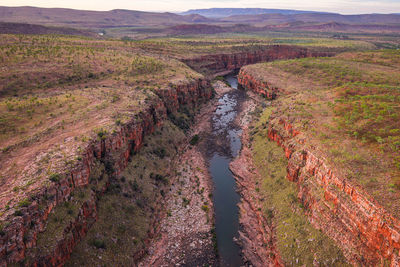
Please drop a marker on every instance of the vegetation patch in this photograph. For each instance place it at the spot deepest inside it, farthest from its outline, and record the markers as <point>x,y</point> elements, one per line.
<point>195,139</point>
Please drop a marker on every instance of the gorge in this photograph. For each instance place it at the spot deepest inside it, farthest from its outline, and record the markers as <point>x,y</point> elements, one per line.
<point>181,165</point>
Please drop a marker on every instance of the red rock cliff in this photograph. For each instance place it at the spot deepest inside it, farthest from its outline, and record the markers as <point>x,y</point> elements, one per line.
<point>366,232</point>
<point>233,61</point>
<point>20,232</point>
<point>246,80</point>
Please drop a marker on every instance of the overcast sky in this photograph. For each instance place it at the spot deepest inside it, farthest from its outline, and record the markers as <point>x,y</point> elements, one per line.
<point>340,6</point>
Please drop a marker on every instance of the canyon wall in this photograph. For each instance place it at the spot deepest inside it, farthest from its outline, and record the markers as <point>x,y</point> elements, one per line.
<point>20,232</point>
<point>256,85</point>
<point>220,63</point>
<point>367,234</point>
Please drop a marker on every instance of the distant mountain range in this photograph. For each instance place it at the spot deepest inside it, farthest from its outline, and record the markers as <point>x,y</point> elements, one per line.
<point>314,17</point>
<point>214,20</point>
<point>189,29</point>
<point>23,28</point>
<point>226,12</point>
<point>94,19</point>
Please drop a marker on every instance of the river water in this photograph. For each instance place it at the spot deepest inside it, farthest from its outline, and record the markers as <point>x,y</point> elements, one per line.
<point>224,145</point>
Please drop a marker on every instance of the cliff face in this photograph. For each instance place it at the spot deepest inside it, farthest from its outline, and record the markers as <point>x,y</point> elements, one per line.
<point>22,230</point>
<point>257,86</point>
<point>346,213</point>
<point>223,62</point>
<point>367,234</point>
<point>184,94</point>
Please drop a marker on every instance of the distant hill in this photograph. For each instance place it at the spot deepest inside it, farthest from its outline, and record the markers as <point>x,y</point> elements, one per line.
<point>336,27</point>
<point>93,19</point>
<point>235,20</point>
<point>23,28</point>
<point>315,17</point>
<point>332,27</point>
<point>226,12</point>
<point>187,29</point>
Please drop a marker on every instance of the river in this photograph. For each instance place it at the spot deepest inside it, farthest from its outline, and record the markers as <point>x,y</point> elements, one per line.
<point>224,146</point>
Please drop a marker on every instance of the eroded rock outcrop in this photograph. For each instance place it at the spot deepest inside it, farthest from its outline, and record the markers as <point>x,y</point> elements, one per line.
<point>21,230</point>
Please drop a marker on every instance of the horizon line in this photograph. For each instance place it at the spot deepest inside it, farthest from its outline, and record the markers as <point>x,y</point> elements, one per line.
<point>178,12</point>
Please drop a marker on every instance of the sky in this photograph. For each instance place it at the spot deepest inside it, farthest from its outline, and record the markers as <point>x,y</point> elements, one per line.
<point>339,6</point>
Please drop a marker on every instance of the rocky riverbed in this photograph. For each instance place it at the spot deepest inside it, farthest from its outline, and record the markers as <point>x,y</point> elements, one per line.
<point>187,231</point>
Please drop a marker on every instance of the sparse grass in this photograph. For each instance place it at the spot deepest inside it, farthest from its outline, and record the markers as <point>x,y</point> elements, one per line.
<point>126,211</point>
<point>53,83</point>
<point>58,93</point>
<point>65,61</point>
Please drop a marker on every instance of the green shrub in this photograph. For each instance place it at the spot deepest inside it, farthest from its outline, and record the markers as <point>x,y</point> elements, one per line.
<point>205,208</point>
<point>194,140</point>
<point>98,243</point>
<point>159,178</point>
<point>24,203</point>
<point>160,152</point>
<point>185,201</point>
<point>2,233</point>
<point>55,177</point>
<point>102,134</point>
<point>18,213</point>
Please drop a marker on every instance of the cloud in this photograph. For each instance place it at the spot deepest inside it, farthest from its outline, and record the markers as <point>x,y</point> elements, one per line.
<point>340,6</point>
